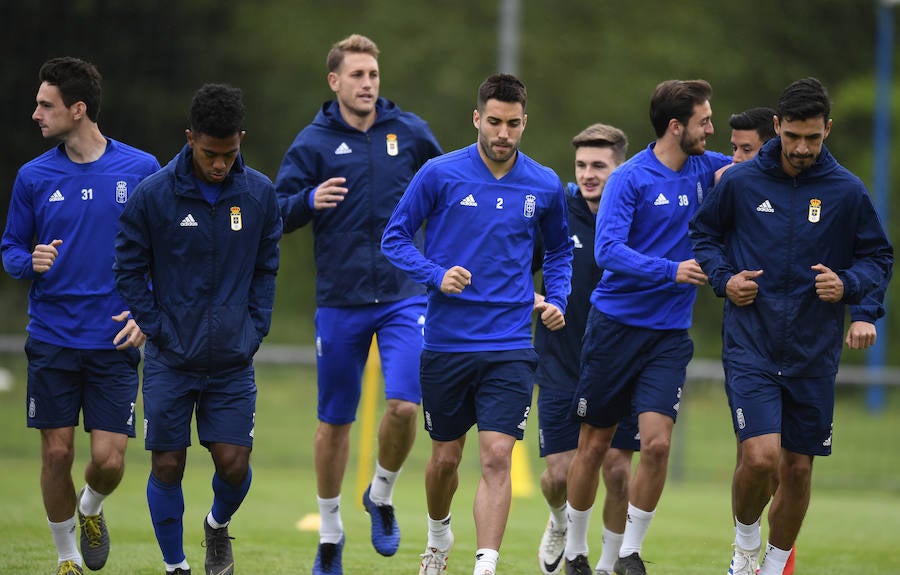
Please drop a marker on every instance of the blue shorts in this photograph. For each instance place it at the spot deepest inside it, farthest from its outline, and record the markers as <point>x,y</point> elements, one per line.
<point>343,338</point>
<point>101,383</point>
<point>800,409</point>
<point>558,431</point>
<point>629,370</point>
<point>225,405</point>
<point>490,388</point>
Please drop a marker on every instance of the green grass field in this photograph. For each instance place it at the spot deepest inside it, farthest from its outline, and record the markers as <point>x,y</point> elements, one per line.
<point>852,526</point>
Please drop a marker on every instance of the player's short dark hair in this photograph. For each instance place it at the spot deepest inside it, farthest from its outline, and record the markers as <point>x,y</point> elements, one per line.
<point>675,99</point>
<point>757,119</point>
<point>217,110</point>
<point>603,136</point>
<point>352,44</point>
<point>804,99</point>
<point>503,87</point>
<point>77,81</point>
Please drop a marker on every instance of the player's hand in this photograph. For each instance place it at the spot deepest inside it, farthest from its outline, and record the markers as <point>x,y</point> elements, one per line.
<point>538,300</point>
<point>456,279</point>
<point>689,272</point>
<point>860,335</point>
<point>329,194</point>
<point>551,316</point>
<point>741,288</point>
<point>44,255</point>
<point>720,171</point>
<point>130,335</point>
<point>829,286</point>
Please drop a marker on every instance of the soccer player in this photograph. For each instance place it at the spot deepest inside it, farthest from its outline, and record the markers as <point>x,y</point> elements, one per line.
<point>345,173</point>
<point>750,129</point>
<point>486,205</point>
<point>63,218</point>
<point>789,239</point>
<point>205,231</point>
<point>599,149</point>
<point>645,298</point>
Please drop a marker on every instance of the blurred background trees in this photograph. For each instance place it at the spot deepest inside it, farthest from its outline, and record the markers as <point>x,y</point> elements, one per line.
<point>583,61</point>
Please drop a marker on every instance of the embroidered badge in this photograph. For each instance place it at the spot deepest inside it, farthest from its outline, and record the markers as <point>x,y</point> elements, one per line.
<point>392,147</point>
<point>121,192</point>
<point>815,210</point>
<point>529,206</point>
<point>236,223</point>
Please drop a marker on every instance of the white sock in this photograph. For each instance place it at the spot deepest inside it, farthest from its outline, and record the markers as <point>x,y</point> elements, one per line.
<point>636,524</point>
<point>183,565</point>
<point>612,542</point>
<point>331,528</point>
<point>576,533</point>
<point>485,562</point>
<point>215,524</point>
<point>91,501</point>
<point>383,485</point>
<point>64,537</point>
<point>747,537</point>
<point>558,517</point>
<point>440,535</point>
<point>774,562</point>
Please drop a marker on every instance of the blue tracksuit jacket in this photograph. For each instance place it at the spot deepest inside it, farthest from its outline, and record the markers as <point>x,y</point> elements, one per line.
<point>758,217</point>
<point>212,266</point>
<point>378,165</point>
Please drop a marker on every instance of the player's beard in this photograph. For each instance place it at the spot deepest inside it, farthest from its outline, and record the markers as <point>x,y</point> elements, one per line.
<point>692,146</point>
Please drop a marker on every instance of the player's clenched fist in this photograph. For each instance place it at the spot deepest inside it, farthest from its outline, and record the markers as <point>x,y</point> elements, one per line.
<point>44,255</point>
<point>456,279</point>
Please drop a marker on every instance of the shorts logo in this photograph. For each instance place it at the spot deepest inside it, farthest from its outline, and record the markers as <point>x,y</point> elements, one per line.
<point>827,442</point>
<point>319,346</point>
<point>253,425</point>
<point>32,409</point>
<point>525,418</point>
<point>146,426</point>
<point>530,205</point>
<point>541,437</point>
<point>121,192</point>
<point>739,414</point>
<point>131,416</point>
<point>582,407</point>
<point>428,424</point>
<point>677,405</point>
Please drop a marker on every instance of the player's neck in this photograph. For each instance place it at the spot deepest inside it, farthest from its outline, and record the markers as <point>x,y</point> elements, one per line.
<point>85,144</point>
<point>669,153</point>
<point>361,123</point>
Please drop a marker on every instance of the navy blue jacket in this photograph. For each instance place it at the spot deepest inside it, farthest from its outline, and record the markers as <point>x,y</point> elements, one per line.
<point>212,267</point>
<point>758,217</point>
<point>560,351</point>
<point>378,165</point>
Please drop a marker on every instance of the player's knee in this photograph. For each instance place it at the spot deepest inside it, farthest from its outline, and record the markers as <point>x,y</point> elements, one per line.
<point>615,478</point>
<point>109,463</point>
<point>554,479</point>
<point>656,450</point>
<point>402,411</point>
<point>59,456</point>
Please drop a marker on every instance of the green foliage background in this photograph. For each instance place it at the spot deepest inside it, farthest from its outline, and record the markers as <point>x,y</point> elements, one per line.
<point>584,61</point>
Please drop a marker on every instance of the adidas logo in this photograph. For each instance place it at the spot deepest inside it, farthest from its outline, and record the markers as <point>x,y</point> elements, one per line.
<point>468,201</point>
<point>522,425</point>
<point>577,241</point>
<point>765,207</point>
<point>661,200</point>
<point>343,149</point>
<point>189,222</point>
<point>56,197</point>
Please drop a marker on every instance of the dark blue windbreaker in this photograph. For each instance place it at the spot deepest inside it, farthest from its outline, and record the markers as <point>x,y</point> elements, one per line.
<point>212,266</point>
<point>758,217</point>
<point>378,165</point>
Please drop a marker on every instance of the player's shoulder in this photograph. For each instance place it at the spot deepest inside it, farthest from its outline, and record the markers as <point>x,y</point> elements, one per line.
<point>49,160</point>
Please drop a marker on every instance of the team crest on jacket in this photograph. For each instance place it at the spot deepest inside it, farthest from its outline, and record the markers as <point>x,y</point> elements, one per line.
<point>529,206</point>
<point>236,223</point>
<point>121,192</point>
<point>392,146</point>
<point>815,210</point>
